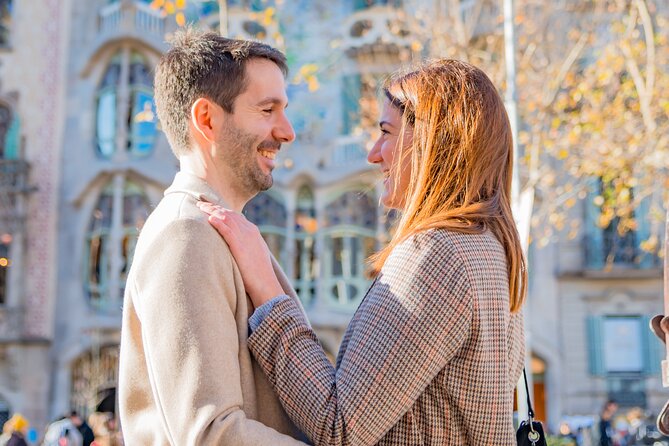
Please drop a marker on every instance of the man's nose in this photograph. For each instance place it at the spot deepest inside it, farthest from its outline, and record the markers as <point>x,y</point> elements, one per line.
<point>284,130</point>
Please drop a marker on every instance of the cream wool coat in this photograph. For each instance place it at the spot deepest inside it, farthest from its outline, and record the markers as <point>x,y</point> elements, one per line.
<point>186,375</point>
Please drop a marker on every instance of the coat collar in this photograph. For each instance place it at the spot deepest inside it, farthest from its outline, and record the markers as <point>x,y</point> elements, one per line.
<point>187,183</point>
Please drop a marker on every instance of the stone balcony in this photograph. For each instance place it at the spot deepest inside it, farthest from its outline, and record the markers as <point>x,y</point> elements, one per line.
<point>245,24</point>
<point>376,30</point>
<point>136,19</point>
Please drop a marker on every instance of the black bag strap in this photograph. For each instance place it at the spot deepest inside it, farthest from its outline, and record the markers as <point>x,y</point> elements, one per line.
<point>530,411</point>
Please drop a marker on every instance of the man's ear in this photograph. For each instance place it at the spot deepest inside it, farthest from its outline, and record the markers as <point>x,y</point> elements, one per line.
<point>203,114</point>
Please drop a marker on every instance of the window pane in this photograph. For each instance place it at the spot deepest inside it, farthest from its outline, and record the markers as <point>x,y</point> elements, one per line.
<point>113,73</point>
<point>352,208</point>
<point>136,209</point>
<point>144,130</point>
<point>102,214</point>
<point>5,21</point>
<point>5,122</point>
<point>5,264</point>
<point>106,122</point>
<point>97,256</point>
<point>140,73</point>
<point>623,350</point>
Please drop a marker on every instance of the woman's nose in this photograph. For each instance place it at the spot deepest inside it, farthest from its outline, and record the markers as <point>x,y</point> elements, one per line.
<point>374,155</point>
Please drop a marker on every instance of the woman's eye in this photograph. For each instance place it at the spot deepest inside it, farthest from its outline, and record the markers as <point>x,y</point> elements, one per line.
<point>385,132</point>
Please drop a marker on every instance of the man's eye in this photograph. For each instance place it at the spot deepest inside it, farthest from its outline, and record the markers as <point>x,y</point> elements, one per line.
<point>267,110</point>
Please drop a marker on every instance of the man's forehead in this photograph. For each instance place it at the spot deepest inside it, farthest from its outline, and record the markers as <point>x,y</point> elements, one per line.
<point>265,82</point>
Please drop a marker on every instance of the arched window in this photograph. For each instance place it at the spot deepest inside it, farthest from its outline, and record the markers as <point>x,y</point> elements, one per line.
<point>9,134</point>
<point>267,211</point>
<point>305,266</point>
<point>126,91</point>
<point>94,376</point>
<point>114,226</point>
<point>350,238</point>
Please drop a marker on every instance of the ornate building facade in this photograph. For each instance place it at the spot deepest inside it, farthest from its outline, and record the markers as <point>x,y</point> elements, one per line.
<point>76,108</point>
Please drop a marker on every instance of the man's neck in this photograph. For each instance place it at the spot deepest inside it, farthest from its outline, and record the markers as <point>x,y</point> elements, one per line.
<point>217,180</point>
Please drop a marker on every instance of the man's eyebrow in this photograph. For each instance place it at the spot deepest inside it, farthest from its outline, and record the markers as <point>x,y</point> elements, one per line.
<point>272,101</point>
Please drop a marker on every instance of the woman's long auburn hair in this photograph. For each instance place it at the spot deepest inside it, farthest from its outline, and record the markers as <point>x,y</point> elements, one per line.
<point>461,161</point>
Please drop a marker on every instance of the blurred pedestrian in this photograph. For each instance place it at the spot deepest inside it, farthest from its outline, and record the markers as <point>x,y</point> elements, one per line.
<point>605,427</point>
<point>14,431</point>
<point>62,432</point>
<point>83,428</point>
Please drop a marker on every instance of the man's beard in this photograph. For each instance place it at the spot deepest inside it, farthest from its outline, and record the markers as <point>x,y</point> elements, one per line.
<point>240,156</point>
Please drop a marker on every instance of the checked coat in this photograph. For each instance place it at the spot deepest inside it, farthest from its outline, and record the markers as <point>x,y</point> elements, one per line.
<point>431,356</point>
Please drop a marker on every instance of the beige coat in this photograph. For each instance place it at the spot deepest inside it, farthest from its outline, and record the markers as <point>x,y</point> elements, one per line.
<point>186,375</point>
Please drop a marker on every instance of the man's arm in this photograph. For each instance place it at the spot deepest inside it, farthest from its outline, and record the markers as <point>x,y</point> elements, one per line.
<point>186,302</point>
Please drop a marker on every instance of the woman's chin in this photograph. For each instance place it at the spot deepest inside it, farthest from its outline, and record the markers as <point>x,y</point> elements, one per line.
<point>388,202</point>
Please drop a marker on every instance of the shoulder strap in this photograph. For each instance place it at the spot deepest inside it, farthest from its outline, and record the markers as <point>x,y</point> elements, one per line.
<point>530,411</point>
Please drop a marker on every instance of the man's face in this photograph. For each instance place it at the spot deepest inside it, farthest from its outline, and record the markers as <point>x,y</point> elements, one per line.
<point>251,136</point>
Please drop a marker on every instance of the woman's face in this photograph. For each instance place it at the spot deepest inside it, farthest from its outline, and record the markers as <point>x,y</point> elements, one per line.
<point>390,153</point>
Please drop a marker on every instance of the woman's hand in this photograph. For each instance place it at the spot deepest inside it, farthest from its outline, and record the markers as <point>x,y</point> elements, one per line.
<point>249,250</point>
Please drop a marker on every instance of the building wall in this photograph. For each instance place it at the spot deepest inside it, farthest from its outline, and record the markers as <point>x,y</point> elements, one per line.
<point>51,76</point>
<point>32,73</point>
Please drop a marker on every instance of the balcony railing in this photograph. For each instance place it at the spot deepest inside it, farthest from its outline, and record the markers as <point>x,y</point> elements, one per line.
<point>131,17</point>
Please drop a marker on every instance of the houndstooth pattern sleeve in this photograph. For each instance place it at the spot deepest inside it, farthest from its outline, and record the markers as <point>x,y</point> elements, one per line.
<point>414,321</point>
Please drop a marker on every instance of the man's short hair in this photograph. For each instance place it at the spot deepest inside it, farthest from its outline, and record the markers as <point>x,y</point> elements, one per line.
<point>203,65</point>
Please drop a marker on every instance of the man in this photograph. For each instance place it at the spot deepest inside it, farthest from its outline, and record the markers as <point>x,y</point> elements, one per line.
<point>83,428</point>
<point>186,376</point>
<point>605,427</point>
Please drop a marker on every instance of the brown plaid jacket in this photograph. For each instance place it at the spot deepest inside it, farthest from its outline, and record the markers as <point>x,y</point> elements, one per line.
<point>431,356</point>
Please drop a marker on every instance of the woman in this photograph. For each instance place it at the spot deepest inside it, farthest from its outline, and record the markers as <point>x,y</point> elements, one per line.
<point>434,351</point>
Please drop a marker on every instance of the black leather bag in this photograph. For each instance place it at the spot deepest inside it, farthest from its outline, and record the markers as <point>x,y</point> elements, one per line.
<point>530,432</point>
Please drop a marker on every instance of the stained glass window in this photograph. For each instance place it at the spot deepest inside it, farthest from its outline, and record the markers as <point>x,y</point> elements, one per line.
<point>134,210</point>
<point>142,114</point>
<point>139,112</point>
